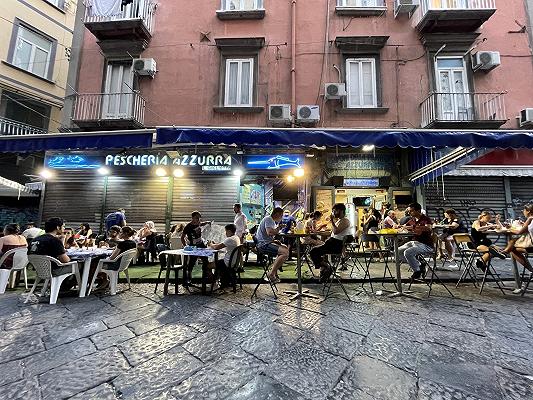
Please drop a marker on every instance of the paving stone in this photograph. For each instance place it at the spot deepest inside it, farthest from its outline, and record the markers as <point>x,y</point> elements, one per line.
<point>456,321</point>
<point>148,324</point>
<point>46,360</point>
<point>428,390</point>
<point>458,340</point>
<point>320,374</point>
<point>20,335</point>
<point>206,319</point>
<point>362,374</point>
<point>80,305</point>
<point>265,388</point>
<point>360,307</point>
<point>299,318</point>
<point>101,392</point>
<point>44,315</point>
<point>149,345</point>
<point>128,303</point>
<point>463,371</point>
<point>220,379</point>
<point>513,363</point>
<point>69,335</point>
<point>21,349</point>
<point>232,309</point>
<point>333,340</point>
<point>22,390</point>
<point>112,337</point>
<point>398,350</point>
<point>133,315</point>
<point>512,326</point>
<point>82,374</point>
<point>149,379</point>
<point>213,344</point>
<point>316,306</point>
<point>252,322</point>
<point>404,322</point>
<point>350,321</point>
<point>10,372</point>
<point>272,307</point>
<point>515,386</point>
<point>270,342</point>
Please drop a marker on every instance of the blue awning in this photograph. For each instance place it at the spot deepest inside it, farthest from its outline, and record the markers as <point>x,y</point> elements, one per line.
<point>77,141</point>
<point>301,137</point>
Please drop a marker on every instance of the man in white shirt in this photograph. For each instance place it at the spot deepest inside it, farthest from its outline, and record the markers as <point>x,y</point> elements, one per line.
<point>269,228</point>
<point>231,242</point>
<point>239,221</point>
<point>31,231</point>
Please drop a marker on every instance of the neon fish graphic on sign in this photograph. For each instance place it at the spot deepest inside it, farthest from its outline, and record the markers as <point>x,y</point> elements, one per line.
<point>72,162</point>
<point>275,162</point>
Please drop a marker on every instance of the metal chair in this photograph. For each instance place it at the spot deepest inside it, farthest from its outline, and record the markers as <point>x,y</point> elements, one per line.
<point>168,264</point>
<point>335,276</point>
<point>264,277</point>
<point>20,261</point>
<point>44,271</point>
<point>236,261</point>
<point>112,268</point>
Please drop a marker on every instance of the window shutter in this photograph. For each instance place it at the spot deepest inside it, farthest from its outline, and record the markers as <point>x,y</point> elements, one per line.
<point>367,84</point>
<point>354,84</point>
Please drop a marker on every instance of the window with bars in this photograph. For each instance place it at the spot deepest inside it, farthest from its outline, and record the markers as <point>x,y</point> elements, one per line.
<point>361,84</point>
<point>239,82</point>
<point>32,52</point>
<point>241,5</point>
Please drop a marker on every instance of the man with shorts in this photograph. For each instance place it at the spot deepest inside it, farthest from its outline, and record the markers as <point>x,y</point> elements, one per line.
<point>268,229</point>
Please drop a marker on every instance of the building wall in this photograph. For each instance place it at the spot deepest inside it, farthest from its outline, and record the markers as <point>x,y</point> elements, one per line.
<point>186,86</point>
<point>55,23</point>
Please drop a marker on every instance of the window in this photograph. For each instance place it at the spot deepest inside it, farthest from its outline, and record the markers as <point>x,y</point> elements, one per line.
<point>238,88</point>
<point>241,5</point>
<point>361,3</point>
<point>32,52</point>
<point>361,82</point>
<point>57,3</point>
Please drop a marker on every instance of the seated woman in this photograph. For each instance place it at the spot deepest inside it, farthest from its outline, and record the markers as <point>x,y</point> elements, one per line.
<point>519,247</point>
<point>145,239</point>
<point>453,225</point>
<point>312,227</point>
<point>479,235</point>
<point>390,220</point>
<point>70,242</point>
<point>83,235</point>
<point>11,240</point>
<point>113,237</point>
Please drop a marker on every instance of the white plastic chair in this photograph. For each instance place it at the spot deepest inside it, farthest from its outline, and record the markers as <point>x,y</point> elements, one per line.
<point>125,260</point>
<point>43,269</point>
<point>20,261</point>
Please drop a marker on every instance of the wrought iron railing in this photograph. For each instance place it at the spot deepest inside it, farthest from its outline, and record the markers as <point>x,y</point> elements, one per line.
<point>462,107</point>
<point>109,106</point>
<point>137,9</point>
<point>10,127</point>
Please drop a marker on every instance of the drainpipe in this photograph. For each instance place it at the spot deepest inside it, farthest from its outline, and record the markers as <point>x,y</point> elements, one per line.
<point>293,61</point>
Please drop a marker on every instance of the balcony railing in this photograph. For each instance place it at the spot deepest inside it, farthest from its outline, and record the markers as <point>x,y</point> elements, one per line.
<point>124,109</point>
<point>361,7</point>
<point>447,109</point>
<point>462,14</point>
<point>138,10</point>
<point>10,127</point>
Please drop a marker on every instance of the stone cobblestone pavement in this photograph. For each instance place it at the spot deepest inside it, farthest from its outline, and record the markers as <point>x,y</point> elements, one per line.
<point>141,345</point>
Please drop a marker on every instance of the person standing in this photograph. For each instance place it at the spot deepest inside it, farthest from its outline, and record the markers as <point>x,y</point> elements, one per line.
<point>268,228</point>
<point>239,221</point>
<point>115,218</point>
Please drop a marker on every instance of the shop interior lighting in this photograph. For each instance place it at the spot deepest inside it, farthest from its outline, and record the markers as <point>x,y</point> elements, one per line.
<point>298,172</point>
<point>104,171</point>
<point>161,172</point>
<point>309,155</point>
<point>46,173</point>
<point>290,179</point>
<point>238,172</point>
<point>368,147</point>
<point>178,173</point>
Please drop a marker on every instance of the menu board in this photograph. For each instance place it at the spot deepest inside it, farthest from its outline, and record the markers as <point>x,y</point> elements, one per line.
<point>324,200</point>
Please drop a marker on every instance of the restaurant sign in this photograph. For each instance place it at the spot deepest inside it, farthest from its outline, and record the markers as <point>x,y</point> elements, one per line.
<point>361,182</point>
<point>274,162</point>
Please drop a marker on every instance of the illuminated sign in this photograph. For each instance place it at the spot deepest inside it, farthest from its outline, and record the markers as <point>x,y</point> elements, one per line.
<point>219,162</point>
<point>72,161</point>
<point>365,182</point>
<point>274,162</point>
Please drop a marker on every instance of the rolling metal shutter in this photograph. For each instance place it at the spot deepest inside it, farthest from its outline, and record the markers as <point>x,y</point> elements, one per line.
<point>76,197</point>
<point>143,197</point>
<point>521,194</point>
<point>212,195</point>
<point>467,195</point>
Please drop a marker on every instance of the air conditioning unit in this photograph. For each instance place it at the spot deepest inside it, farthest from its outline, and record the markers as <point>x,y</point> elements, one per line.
<point>279,113</point>
<point>145,66</point>
<point>308,113</point>
<point>486,60</point>
<point>405,7</point>
<point>526,118</point>
<point>334,90</point>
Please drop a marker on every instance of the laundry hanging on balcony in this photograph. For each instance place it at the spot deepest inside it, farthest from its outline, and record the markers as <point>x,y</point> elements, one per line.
<point>105,8</point>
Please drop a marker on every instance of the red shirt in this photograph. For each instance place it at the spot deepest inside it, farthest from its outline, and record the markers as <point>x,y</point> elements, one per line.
<point>425,236</point>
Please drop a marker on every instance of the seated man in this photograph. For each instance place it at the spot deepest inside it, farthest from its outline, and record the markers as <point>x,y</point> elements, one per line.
<point>268,229</point>
<point>231,242</point>
<point>340,228</point>
<point>422,242</point>
<point>192,233</point>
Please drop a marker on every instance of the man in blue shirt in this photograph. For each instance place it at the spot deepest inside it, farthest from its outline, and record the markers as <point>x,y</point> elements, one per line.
<point>116,218</point>
<point>288,220</point>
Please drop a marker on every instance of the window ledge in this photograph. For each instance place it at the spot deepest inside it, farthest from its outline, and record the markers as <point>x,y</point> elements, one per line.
<point>61,10</point>
<point>362,110</point>
<point>28,72</point>
<point>238,110</point>
<point>241,14</point>
<point>361,11</point>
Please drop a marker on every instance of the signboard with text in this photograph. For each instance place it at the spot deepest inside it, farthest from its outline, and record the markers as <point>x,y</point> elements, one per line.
<point>274,162</point>
<point>361,182</point>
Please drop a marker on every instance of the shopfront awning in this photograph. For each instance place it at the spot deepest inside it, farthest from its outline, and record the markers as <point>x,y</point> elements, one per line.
<point>9,188</point>
<point>78,141</point>
<point>301,137</point>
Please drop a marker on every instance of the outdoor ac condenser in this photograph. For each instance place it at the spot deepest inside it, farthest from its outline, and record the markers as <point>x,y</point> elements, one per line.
<point>526,118</point>
<point>333,91</point>
<point>486,60</point>
<point>279,114</point>
<point>308,113</point>
<point>145,66</point>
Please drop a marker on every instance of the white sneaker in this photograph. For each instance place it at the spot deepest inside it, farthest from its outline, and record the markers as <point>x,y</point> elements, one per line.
<point>452,267</point>
<point>518,291</point>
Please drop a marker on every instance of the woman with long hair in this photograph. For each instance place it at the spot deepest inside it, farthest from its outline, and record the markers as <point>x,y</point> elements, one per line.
<point>11,240</point>
<point>520,246</point>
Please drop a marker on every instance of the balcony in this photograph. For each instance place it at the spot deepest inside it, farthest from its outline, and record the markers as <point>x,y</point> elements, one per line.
<point>95,111</point>
<point>458,16</point>
<point>134,21</point>
<point>463,110</point>
<point>15,128</point>
<point>361,8</point>
<point>241,9</point>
